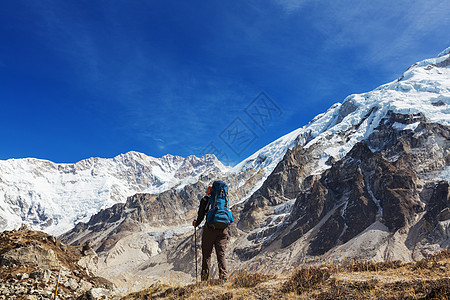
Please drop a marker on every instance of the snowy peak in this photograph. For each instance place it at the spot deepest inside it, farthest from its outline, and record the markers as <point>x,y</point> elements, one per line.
<point>376,159</point>
<point>53,197</point>
<point>419,89</point>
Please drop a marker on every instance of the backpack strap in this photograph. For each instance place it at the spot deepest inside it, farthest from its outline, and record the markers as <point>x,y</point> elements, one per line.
<point>215,200</point>
<point>226,199</point>
<point>207,206</point>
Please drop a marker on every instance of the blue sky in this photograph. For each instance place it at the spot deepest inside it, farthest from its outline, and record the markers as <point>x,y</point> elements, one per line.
<point>100,78</point>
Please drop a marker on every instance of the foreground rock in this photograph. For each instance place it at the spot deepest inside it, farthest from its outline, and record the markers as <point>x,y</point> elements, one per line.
<point>30,264</point>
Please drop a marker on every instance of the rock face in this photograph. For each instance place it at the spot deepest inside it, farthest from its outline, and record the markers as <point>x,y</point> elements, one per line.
<point>33,254</point>
<point>389,180</point>
<point>167,209</point>
<point>281,186</point>
<point>350,191</point>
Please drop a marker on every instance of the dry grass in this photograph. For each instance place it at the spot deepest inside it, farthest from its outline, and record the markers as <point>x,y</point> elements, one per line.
<point>305,279</point>
<point>249,280</point>
<point>425,279</point>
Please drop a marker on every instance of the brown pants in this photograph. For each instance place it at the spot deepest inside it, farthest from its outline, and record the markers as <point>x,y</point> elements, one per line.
<point>219,239</point>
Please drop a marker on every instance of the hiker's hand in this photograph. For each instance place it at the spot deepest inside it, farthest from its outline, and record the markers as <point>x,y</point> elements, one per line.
<point>194,223</point>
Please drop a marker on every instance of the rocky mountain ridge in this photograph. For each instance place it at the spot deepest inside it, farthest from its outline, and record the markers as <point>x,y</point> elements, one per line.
<point>371,204</point>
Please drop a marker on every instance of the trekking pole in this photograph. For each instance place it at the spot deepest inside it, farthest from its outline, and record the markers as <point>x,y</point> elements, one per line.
<point>195,241</point>
<point>57,284</point>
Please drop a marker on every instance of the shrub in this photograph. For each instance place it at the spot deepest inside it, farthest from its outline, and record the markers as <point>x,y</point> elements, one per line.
<point>249,280</point>
<point>305,279</point>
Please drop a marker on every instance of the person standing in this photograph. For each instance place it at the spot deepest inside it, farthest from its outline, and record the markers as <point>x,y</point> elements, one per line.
<point>215,206</point>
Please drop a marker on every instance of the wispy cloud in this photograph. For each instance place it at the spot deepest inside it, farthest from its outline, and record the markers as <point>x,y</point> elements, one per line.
<point>161,102</point>
<point>291,6</point>
<point>383,31</point>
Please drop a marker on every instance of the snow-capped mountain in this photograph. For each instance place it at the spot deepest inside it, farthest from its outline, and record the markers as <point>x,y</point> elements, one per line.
<point>54,197</point>
<point>362,175</point>
<point>424,87</point>
<point>368,179</point>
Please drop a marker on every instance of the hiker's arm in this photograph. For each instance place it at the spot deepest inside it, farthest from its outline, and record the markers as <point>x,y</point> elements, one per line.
<point>202,210</point>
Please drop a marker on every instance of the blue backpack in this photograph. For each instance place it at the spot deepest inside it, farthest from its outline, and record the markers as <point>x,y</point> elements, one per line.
<point>219,214</point>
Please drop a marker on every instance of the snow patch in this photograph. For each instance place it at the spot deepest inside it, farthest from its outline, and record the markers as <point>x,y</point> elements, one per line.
<point>444,175</point>
<point>445,52</point>
<point>401,126</point>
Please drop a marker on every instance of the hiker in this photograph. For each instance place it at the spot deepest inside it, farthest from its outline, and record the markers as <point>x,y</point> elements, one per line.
<point>215,206</point>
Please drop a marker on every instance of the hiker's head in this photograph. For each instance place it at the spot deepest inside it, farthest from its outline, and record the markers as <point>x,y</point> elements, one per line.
<point>208,190</point>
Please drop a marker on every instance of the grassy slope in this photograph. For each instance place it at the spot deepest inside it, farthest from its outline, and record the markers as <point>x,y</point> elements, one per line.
<point>425,279</point>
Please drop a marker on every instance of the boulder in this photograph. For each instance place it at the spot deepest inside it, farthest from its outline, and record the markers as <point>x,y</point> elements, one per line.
<point>31,255</point>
